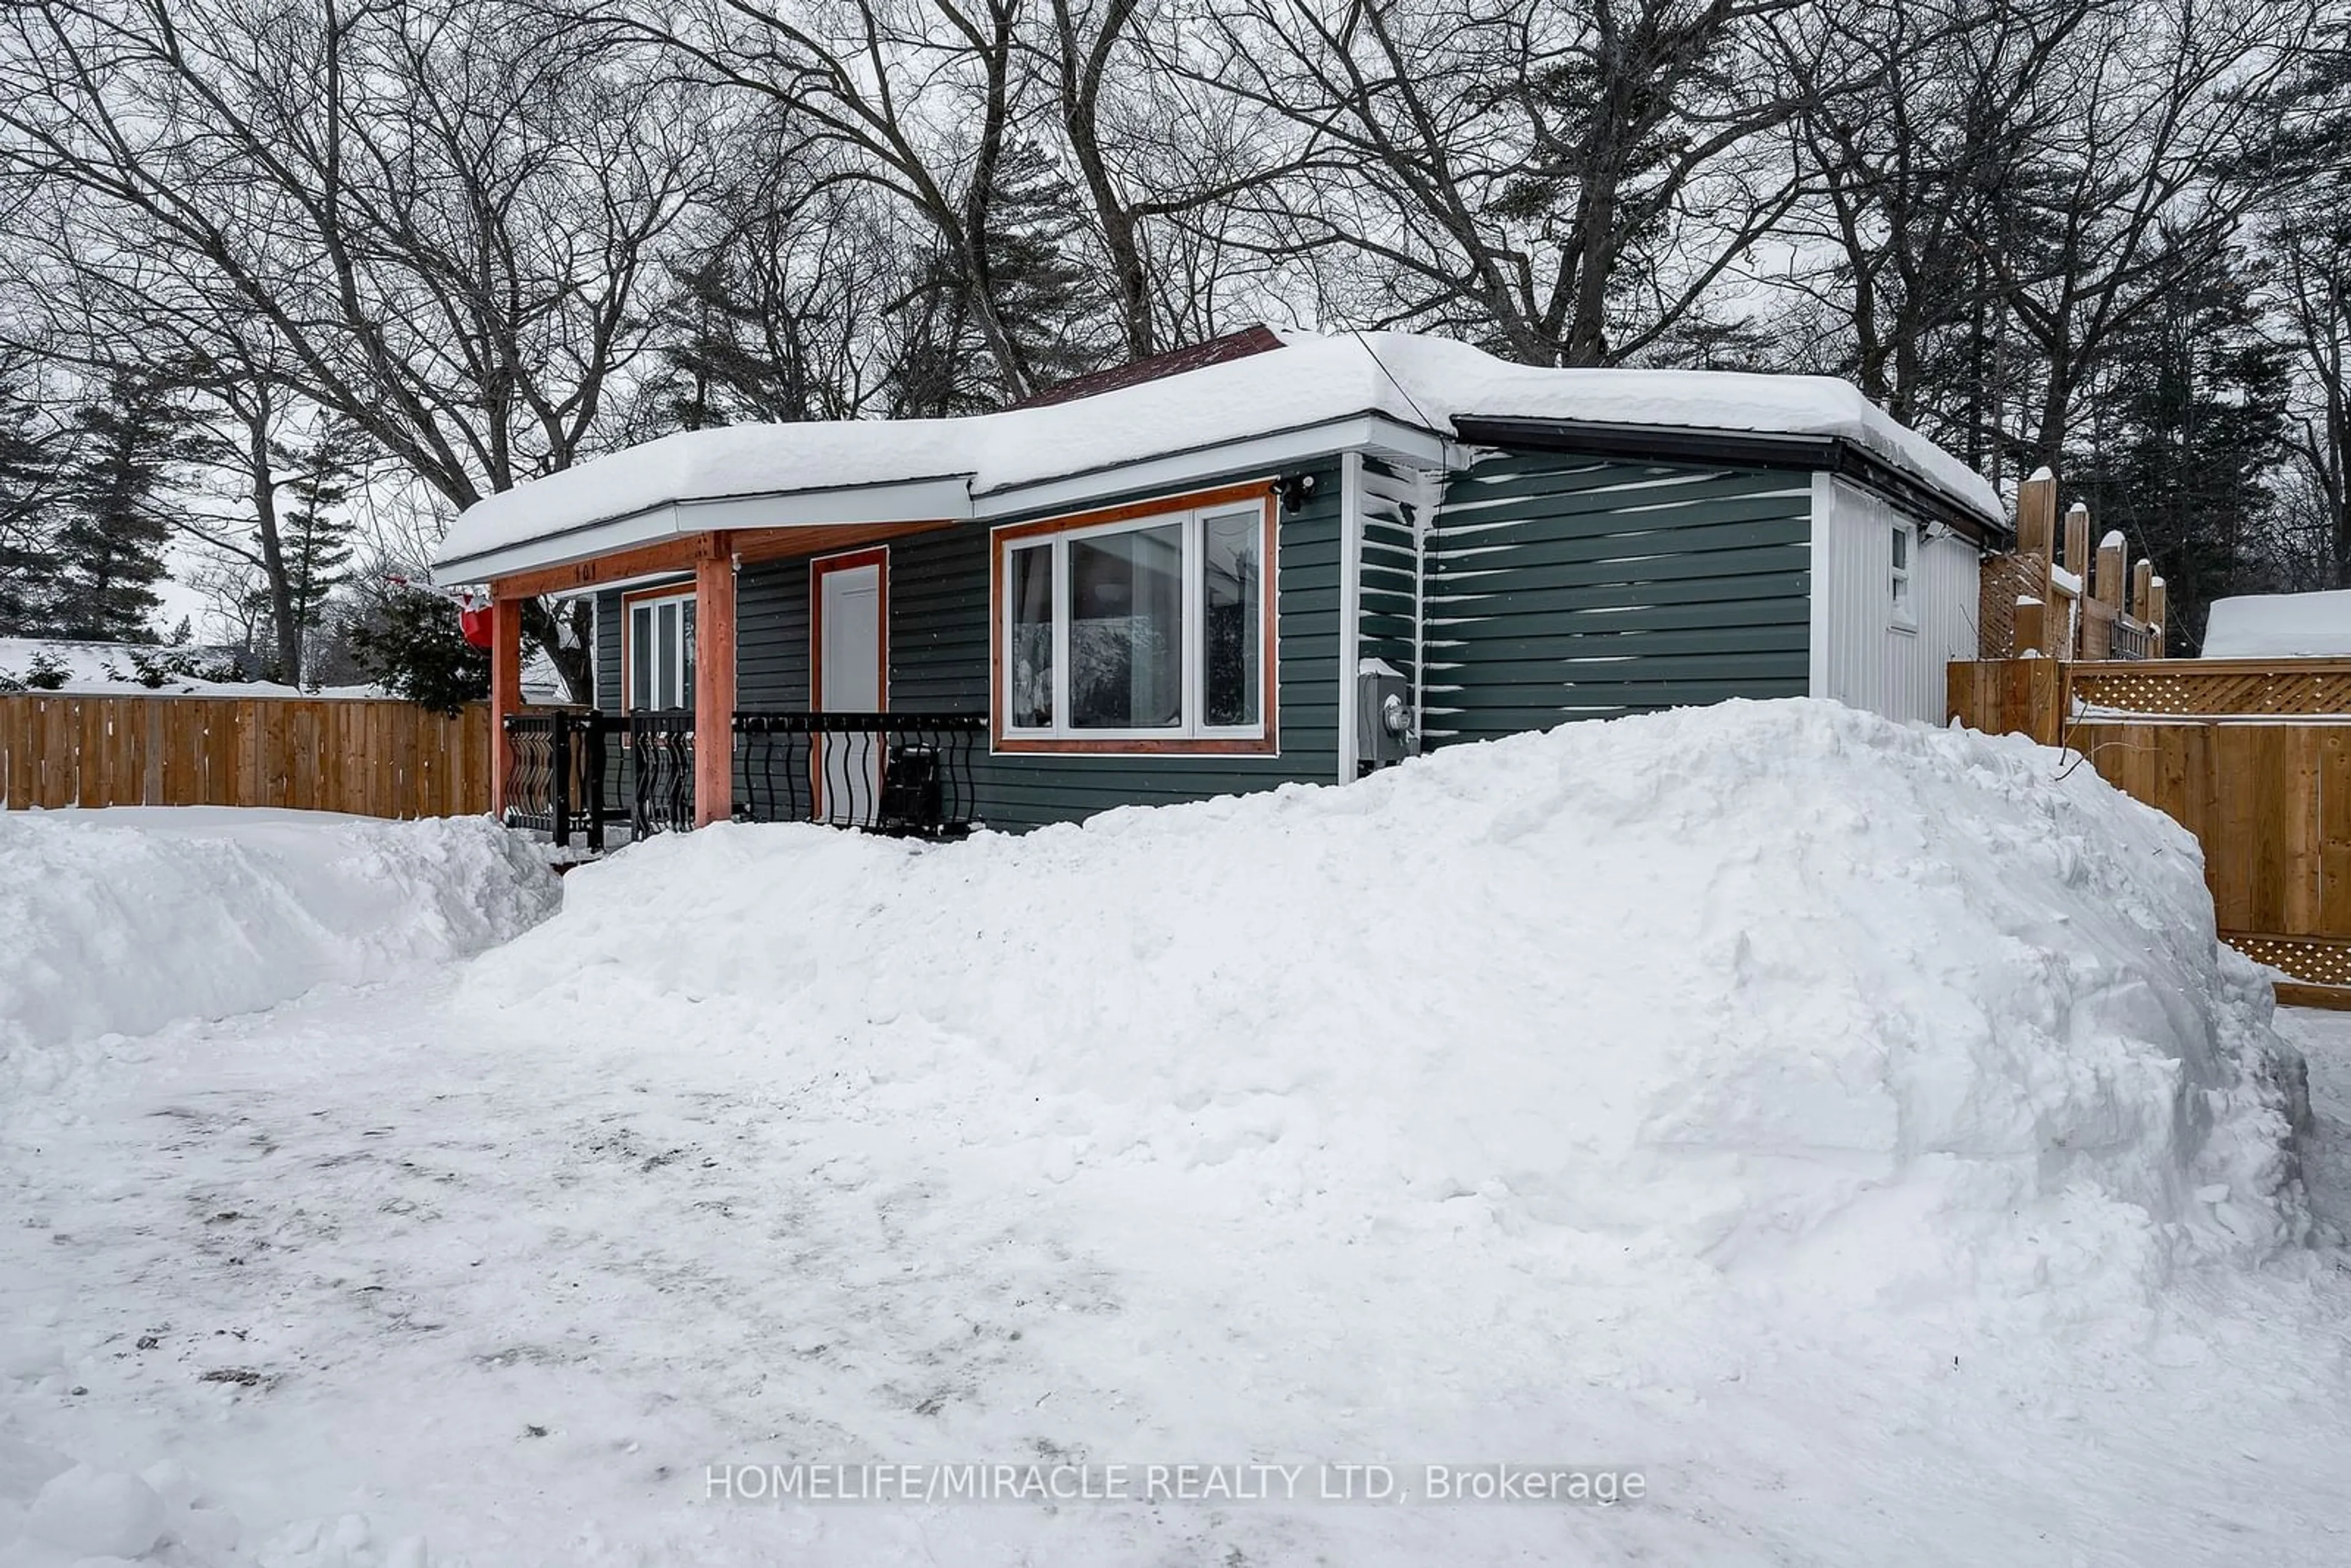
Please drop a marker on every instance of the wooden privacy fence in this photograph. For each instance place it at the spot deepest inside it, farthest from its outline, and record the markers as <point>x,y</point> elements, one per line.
<point>2092,605</point>
<point>2251,756</point>
<point>375,758</point>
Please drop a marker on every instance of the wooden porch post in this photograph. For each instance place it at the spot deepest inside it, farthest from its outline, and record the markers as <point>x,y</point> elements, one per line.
<point>714,679</point>
<point>505,691</point>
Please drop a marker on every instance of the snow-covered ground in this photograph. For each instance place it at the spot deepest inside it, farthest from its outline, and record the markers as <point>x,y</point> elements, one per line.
<point>111,669</point>
<point>1854,1131</point>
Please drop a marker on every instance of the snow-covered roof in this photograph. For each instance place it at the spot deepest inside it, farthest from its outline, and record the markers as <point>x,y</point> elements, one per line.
<point>1419,383</point>
<point>2280,626</point>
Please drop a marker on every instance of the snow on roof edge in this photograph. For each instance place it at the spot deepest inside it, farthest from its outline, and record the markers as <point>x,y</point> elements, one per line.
<point>1418,379</point>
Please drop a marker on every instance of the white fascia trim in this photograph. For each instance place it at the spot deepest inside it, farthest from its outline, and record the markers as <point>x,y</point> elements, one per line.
<point>1371,433</point>
<point>949,497</point>
<point>1823,552</point>
<point>944,499</point>
<point>684,576</point>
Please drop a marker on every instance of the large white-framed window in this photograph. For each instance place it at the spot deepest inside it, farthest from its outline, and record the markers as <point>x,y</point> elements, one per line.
<point>1903,609</point>
<point>1141,628</point>
<point>657,649</point>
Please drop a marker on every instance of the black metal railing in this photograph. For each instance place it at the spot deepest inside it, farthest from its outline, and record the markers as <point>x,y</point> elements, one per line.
<point>660,772</point>
<point>576,777</point>
<point>558,778</point>
<point>907,774</point>
<point>616,768</point>
<point>534,794</point>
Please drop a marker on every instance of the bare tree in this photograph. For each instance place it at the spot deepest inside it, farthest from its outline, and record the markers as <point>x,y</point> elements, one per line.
<point>32,478</point>
<point>1565,184</point>
<point>2123,198</point>
<point>921,99</point>
<point>1162,158</point>
<point>1916,171</point>
<point>2315,295</point>
<point>2302,176</point>
<point>437,216</point>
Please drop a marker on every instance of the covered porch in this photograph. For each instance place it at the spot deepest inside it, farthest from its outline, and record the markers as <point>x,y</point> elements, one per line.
<point>670,745</point>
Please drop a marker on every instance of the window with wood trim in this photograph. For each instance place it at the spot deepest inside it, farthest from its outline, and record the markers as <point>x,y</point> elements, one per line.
<point>1142,629</point>
<point>657,649</point>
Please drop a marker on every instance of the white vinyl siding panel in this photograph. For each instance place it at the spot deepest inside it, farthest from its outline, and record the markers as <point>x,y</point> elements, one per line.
<point>1866,658</point>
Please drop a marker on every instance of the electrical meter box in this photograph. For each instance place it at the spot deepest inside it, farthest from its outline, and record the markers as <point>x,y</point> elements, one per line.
<point>1383,723</point>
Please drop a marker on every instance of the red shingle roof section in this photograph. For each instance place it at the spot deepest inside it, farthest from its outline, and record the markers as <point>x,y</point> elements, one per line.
<point>1238,345</point>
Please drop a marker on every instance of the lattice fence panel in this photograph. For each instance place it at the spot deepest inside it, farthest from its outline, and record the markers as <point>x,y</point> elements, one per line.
<point>2004,578</point>
<point>2317,962</point>
<point>2215,687</point>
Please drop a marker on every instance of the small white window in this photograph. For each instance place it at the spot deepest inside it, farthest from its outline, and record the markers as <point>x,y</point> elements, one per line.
<point>657,670</point>
<point>1905,546</point>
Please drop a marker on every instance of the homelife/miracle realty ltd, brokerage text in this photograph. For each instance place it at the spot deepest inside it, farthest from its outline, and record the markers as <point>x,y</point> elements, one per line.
<point>1064,1482</point>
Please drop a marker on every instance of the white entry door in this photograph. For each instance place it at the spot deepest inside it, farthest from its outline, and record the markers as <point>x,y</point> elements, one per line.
<point>849,680</point>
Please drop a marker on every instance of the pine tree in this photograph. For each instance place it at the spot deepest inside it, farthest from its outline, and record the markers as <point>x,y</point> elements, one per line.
<point>314,540</point>
<point>764,320</point>
<point>704,314</point>
<point>1060,320</point>
<point>2189,424</point>
<point>1057,308</point>
<point>735,350</point>
<point>109,552</point>
<point>27,493</point>
<point>408,641</point>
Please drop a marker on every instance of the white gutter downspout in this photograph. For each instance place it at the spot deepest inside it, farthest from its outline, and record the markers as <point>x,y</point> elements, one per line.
<point>1351,603</point>
<point>1428,498</point>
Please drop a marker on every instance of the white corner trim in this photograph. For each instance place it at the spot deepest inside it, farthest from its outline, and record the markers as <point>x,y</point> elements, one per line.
<point>1351,603</point>
<point>1820,594</point>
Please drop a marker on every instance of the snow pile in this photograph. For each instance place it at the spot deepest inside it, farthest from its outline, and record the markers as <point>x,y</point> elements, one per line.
<point>124,920</point>
<point>56,1512</point>
<point>2280,626</point>
<point>1420,379</point>
<point>1883,1015</point>
<point>53,1510</point>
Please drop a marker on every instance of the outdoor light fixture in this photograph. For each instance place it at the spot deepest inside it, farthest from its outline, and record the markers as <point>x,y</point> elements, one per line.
<point>1296,490</point>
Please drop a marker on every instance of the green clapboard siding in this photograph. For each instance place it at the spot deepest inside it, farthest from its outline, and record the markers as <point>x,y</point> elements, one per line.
<point>1558,587</point>
<point>608,651</point>
<point>1549,587</point>
<point>1030,791</point>
<point>939,643</point>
